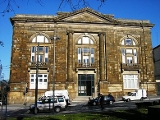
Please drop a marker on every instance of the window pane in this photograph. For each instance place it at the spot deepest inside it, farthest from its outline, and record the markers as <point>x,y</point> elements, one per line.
<point>92,50</point>
<point>40,58</point>
<point>128,42</point>
<point>128,50</point>
<point>32,75</point>
<point>92,59</point>
<point>32,80</point>
<point>46,60</point>
<point>40,49</point>
<point>40,38</point>
<point>45,80</point>
<point>91,41</point>
<point>33,49</point>
<point>123,51</point>
<point>40,80</point>
<point>46,50</point>
<point>85,50</point>
<point>85,40</point>
<point>79,50</point>
<point>32,59</point>
<point>45,75</point>
<point>79,41</point>
<point>39,75</point>
<point>129,60</point>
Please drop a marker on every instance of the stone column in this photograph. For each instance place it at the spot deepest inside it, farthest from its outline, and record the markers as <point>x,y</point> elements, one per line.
<point>69,56</point>
<point>101,56</point>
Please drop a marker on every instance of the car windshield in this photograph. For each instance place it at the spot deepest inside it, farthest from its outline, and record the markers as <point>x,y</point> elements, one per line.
<point>48,100</point>
<point>130,94</point>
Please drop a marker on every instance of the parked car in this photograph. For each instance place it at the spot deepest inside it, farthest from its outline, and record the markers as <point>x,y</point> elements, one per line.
<point>0,102</point>
<point>47,104</point>
<point>108,99</point>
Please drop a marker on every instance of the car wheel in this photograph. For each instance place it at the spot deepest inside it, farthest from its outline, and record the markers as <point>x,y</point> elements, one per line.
<point>33,110</point>
<point>94,103</point>
<point>128,100</point>
<point>110,102</point>
<point>57,109</point>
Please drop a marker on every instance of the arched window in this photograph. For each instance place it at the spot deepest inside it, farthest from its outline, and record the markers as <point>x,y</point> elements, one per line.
<point>129,51</point>
<point>85,40</point>
<point>85,51</point>
<point>40,39</point>
<point>43,50</point>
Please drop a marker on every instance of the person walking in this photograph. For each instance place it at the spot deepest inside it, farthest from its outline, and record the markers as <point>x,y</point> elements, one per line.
<point>101,100</point>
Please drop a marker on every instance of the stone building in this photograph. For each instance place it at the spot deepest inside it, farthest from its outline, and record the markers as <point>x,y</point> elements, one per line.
<point>95,53</point>
<point>156,56</point>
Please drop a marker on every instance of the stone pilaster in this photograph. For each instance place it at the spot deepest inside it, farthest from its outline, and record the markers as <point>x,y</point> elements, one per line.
<point>70,56</point>
<point>101,56</point>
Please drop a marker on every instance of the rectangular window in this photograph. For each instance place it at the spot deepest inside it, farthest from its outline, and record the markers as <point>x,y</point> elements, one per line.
<point>130,82</point>
<point>43,54</point>
<point>42,81</point>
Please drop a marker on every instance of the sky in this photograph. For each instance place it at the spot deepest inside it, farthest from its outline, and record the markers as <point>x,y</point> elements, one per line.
<point>121,9</point>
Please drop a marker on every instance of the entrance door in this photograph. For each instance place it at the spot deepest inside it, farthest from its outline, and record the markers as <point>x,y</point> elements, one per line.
<point>85,84</point>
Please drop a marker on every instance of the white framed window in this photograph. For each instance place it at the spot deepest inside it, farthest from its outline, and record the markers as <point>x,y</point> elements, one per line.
<point>43,53</point>
<point>130,82</point>
<point>85,54</point>
<point>42,81</point>
<point>85,40</point>
<point>43,50</point>
<point>129,54</point>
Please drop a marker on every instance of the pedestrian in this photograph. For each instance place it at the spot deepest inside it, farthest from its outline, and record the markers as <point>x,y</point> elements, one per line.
<point>101,100</point>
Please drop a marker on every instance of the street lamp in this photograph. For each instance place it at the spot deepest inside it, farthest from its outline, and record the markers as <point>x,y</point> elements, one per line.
<point>36,85</point>
<point>54,54</point>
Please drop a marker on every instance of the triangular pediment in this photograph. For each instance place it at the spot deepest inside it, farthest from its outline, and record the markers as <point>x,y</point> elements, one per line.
<point>85,15</point>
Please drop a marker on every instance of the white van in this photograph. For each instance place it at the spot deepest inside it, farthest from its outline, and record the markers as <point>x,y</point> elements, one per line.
<point>63,93</point>
<point>139,94</point>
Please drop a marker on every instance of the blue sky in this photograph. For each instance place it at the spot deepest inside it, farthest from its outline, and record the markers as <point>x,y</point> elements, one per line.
<point>125,9</point>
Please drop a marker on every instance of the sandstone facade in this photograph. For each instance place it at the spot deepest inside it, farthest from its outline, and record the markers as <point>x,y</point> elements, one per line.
<point>95,53</point>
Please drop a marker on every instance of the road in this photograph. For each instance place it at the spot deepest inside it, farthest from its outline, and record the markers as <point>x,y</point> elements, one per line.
<point>20,110</point>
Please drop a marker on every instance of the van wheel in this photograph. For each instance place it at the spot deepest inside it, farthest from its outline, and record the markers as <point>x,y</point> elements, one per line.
<point>141,98</point>
<point>57,109</point>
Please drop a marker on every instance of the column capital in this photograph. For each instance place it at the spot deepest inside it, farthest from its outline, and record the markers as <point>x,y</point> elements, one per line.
<point>101,33</point>
<point>69,31</point>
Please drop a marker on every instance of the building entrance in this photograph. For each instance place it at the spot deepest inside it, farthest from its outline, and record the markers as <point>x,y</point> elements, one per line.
<point>85,84</point>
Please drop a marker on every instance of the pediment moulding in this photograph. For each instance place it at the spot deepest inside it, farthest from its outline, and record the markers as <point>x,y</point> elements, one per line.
<point>86,15</point>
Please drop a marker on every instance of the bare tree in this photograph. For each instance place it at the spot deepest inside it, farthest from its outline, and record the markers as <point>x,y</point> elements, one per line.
<point>1,43</point>
<point>10,4</point>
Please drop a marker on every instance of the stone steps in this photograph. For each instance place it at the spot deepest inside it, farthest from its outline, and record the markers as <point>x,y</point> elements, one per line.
<point>81,98</point>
